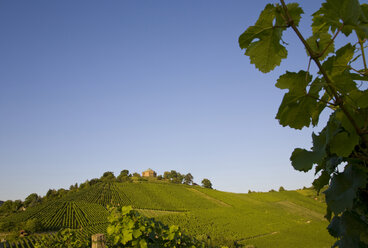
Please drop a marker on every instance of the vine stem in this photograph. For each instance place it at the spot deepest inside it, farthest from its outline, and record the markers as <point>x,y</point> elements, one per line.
<point>329,44</point>
<point>363,54</point>
<point>330,89</point>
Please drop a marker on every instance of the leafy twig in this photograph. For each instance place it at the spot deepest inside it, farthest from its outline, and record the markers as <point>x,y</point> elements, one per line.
<point>320,100</point>
<point>330,89</point>
<point>361,42</point>
<point>331,41</point>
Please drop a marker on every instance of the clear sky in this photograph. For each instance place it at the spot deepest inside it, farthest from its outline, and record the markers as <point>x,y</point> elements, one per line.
<point>92,86</point>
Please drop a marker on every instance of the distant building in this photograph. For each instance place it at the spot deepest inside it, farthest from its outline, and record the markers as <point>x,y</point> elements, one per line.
<point>149,173</point>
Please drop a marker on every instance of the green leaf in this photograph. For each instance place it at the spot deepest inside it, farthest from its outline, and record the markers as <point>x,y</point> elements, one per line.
<point>127,236</point>
<point>319,146</point>
<point>262,41</point>
<point>321,181</point>
<point>336,65</point>
<point>344,83</point>
<point>362,28</point>
<point>267,53</point>
<point>350,228</point>
<point>343,188</point>
<point>295,82</point>
<point>335,227</point>
<point>136,233</point>
<point>302,160</point>
<point>263,24</point>
<point>126,209</point>
<point>334,13</point>
<point>143,243</point>
<point>298,109</point>
<point>319,42</point>
<point>343,144</point>
<point>296,112</point>
<point>359,98</point>
<point>295,12</point>
<point>360,117</point>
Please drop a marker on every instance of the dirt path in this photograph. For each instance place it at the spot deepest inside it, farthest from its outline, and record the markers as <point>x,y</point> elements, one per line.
<point>294,208</point>
<point>214,200</point>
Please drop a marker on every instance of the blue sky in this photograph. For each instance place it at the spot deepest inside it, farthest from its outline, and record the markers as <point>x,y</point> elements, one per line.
<point>94,86</point>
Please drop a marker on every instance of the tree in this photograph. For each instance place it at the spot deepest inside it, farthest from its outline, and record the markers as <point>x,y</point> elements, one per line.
<point>125,173</point>
<point>32,200</point>
<point>167,175</point>
<point>94,181</point>
<point>32,225</point>
<point>188,179</point>
<point>135,174</point>
<point>206,183</point>
<point>108,176</point>
<point>281,189</point>
<point>340,85</point>
<point>124,176</point>
<point>73,187</point>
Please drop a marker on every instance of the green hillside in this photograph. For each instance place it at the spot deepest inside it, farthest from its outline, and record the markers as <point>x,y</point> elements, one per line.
<point>274,219</point>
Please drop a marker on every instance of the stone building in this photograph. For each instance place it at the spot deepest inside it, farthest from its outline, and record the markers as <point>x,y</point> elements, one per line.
<point>149,173</point>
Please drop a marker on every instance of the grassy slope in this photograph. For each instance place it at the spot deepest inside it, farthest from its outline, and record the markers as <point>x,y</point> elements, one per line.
<point>275,219</point>
<point>285,219</point>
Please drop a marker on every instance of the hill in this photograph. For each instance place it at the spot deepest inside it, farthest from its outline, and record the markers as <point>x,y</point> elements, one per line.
<point>273,219</point>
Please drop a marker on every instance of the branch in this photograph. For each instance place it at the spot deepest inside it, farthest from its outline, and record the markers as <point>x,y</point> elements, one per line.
<point>320,100</point>
<point>330,89</point>
<point>280,26</point>
<point>363,54</point>
<point>329,44</point>
<point>359,72</point>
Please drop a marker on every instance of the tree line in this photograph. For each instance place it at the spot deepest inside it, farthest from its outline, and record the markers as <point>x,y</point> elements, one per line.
<point>172,176</point>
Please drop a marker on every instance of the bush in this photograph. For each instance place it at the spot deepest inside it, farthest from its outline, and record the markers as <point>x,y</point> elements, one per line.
<point>128,228</point>
<point>66,238</point>
<point>32,225</point>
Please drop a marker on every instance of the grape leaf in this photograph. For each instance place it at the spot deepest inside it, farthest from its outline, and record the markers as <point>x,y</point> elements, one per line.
<point>262,41</point>
<point>266,54</point>
<point>348,141</point>
<point>302,160</point>
<point>351,227</point>
<point>318,43</point>
<point>321,181</point>
<point>333,12</point>
<point>314,91</point>
<point>297,107</point>
<point>343,188</point>
<point>263,24</point>
<point>362,28</point>
<point>319,145</point>
<point>344,83</point>
<point>359,98</point>
<point>335,227</point>
<point>335,65</point>
<point>295,12</point>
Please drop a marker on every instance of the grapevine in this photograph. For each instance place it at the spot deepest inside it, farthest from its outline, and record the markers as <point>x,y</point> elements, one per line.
<point>339,85</point>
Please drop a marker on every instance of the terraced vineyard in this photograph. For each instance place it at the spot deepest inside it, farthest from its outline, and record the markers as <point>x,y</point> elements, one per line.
<point>275,219</point>
<point>105,194</point>
<point>25,242</point>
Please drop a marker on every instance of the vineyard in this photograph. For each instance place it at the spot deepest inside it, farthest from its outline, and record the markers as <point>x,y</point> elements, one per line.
<point>261,219</point>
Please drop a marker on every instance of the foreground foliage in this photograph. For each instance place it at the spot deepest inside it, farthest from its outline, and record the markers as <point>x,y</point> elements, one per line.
<point>66,238</point>
<point>127,228</point>
<point>339,85</point>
